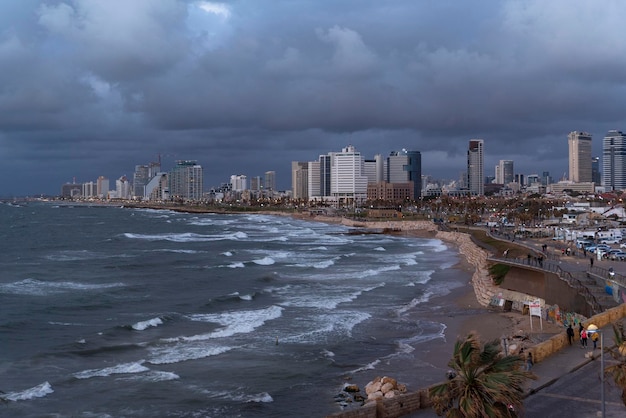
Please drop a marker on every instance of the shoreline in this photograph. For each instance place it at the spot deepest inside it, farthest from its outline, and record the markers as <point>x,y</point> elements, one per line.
<point>488,323</point>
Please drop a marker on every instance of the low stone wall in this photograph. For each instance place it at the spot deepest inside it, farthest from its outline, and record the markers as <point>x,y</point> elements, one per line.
<point>549,347</point>
<point>390,408</point>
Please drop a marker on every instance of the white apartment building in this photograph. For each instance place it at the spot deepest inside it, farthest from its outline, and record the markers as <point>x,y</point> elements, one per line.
<point>348,182</point>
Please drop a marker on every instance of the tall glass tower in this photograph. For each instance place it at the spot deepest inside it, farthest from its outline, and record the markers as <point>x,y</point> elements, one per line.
<point>579,157</point>
<point>614,161</point>
<point>475,167</point>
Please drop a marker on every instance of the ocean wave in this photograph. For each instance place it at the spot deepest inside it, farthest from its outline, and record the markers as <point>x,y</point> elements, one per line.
<point>236,265</point>
<point>227,253</point>
<point>38,391</point>
<point>186,237</point>
<point>127,368</point>
<point>414,302</point>
<point>184,351</point>
<point>265,261</point>
<point>154,322</point>
<point>262,397</point>
<point>235,322</point>
<point>33,287</point>
<point>379,249</point>
<point>152,376</point>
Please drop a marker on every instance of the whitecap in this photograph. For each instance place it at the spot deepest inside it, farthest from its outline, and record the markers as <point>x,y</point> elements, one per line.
<point>140,326</point>
<point>184,351</point>
<point>227,253</point>
<point>265,261</point>
<point>236,322</point>
<point>126,368</point>
<point>40,288</point>
<point>236,265</point>
<point>153,376</point>
<point>380,249</point>
<point>38,391</point>
<point>245,297</point>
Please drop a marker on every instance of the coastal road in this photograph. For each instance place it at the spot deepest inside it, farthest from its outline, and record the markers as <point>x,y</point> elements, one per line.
<point>577,394</point>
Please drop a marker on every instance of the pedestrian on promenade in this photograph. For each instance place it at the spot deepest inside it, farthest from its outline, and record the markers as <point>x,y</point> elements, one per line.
<point>570,334</point>
<point>594,339</point>
<point>529,361</point>
<point>591,262</point>
<point>583,338</point>
<point>580,331</point>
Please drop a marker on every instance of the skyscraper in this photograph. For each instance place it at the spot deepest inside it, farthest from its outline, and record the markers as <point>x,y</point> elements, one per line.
<point>596,176</point>
<point>404,166</point>
<point>186,180</point>
<point>300,179</point>
<point>270,181</point>
<point>614,161</point>
<point>579,157</point>
<point>475,167</point>
<point>347,179</point>
<point>504,172</point>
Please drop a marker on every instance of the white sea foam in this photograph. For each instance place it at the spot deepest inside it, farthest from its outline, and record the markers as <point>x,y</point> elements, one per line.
<point>152,376</point>
<point>186,237</point>
<point>236,265</point>
<point>262,397</point>
<point>414,302</point>
<point>126,368</point>
<point>369,366</point>
<point>35,287</point>
<point>265,261</point>
<point>184,351</point>
<point>321,248</point>
<point>227,253</point>
<point>380,249</point>
<point>235,322</point>
<point>38,391</point>
<point>140,326</point>
<point>326,324</point>
<point>245,297</point>
<point>178,251</point>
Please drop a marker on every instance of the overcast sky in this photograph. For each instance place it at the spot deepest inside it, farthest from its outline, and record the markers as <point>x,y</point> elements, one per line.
<point>95,87</point>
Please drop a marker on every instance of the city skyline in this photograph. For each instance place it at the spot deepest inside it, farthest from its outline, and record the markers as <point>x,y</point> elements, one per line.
<point>93,88</point>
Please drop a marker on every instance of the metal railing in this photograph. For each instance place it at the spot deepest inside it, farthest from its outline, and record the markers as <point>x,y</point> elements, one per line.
<point>548,265</point>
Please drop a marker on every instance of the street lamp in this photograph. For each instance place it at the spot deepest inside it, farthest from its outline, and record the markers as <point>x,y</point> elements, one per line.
<point>591,329</point>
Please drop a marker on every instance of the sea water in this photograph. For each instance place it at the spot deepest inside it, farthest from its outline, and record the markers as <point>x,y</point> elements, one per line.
<point>118,312</point>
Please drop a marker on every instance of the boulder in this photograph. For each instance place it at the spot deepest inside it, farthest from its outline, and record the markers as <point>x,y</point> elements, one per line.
<point>351,388</point>
<point>372,387</point>
<point>387,387</point>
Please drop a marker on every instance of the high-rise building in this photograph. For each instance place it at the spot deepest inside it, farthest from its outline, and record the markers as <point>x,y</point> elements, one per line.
<point>102,186</point>
<point>504,172</point>
<point>404,166</point>
<point>475,167</point>
<point>256,183</point>
<point>347,180</point>
<point>238,183</point>
<point>579,157</point>
<point>325,175</point>
<point>270,181</point>
<point>300,179</point>
<point>596,175</point>
<point>186,180</point>
<point>614,161</point>
<point>314,179</point>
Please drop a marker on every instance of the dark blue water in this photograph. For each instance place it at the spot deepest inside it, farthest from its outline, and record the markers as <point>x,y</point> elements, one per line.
<point>116,312</point>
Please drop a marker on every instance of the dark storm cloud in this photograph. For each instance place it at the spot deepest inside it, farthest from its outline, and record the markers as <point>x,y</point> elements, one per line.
<point>94,87</point>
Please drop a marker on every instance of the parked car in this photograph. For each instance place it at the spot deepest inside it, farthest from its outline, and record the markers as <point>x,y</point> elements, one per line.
<point>623,245</point>
<point>621,256</point>
<point>609,241</point>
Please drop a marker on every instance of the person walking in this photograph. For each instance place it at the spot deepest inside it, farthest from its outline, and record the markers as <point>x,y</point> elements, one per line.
<point>594,339</point>
<point>570,334</point>
<point>529,361</point>
<point>583,337</point>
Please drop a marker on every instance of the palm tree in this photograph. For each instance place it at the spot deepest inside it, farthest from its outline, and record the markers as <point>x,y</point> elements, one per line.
<point>482,382</point>
<point>618,352</point>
